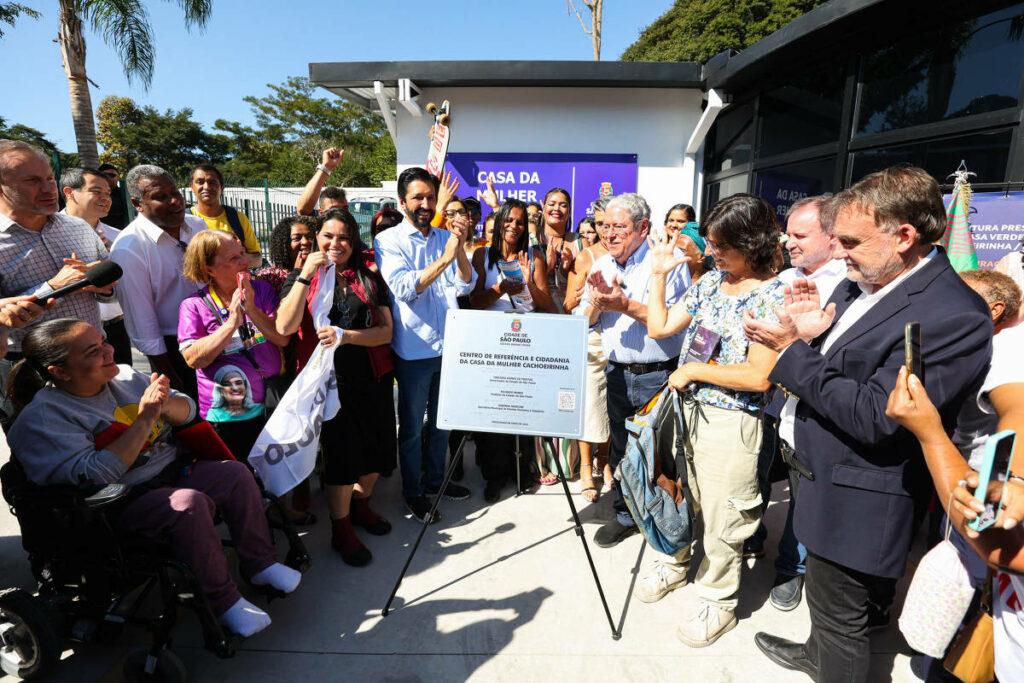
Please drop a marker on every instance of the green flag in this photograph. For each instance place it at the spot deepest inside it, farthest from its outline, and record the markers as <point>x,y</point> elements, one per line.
<point>958,242</point>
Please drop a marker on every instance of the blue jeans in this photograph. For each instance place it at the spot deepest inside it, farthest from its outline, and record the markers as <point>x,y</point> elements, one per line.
<point>792,557</point>
<point>627,393</point>
<point>419,382</point>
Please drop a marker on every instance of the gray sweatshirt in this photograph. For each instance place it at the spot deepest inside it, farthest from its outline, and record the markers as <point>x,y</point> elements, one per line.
<point>55,436</point>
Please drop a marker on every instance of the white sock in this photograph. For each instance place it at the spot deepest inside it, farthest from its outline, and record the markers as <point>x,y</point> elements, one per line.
<point>244,618</point>
<point>279,576</point>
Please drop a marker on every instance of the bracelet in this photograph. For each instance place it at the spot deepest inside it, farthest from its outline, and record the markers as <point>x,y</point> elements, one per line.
<point>1014,476</point>
<point>321,167</point>
<point>303,280</point>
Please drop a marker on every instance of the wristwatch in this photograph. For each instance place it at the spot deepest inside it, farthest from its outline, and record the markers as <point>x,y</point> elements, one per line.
<point>321,167</point>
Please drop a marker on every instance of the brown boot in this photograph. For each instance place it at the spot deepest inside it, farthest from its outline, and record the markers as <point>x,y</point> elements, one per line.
<point>345,541</point>
<point>363,516</point>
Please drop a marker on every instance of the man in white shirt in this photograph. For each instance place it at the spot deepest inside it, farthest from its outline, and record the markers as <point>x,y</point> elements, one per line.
<point>87,196</point>
<point>810,248</point>
<point>151,251</point>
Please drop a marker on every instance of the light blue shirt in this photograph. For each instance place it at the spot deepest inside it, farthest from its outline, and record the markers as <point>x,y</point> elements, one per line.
<point>624,339</point>
<point>402,252</point>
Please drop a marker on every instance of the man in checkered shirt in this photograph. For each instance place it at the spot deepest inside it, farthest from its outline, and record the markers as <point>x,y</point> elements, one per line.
<point>41,250</point>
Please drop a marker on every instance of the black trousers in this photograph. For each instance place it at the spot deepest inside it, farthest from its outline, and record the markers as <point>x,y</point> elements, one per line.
<point>186,374</point>
<point>838,599</point>
<point>496,455</point>
<point>117,336</point>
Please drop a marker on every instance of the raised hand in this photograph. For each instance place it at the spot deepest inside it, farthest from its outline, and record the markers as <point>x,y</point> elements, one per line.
<point>803,306</point>
<point>332,157</point>
<point>490,197</point>
<point>607,297</point>
<point>73,270</point>
<point>312,264</point>
<point>663,256</point>
<point>910,406</point>
<point>459,228</point>
<point>446,191</point>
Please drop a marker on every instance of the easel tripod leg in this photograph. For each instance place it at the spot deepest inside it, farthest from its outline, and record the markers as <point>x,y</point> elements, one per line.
<point>552,451</point>
<point>426,522</point>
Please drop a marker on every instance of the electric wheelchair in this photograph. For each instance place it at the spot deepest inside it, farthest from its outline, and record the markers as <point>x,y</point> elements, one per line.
<point>93,582</point>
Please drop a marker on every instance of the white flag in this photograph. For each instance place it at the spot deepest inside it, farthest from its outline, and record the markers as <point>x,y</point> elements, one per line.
<point>285,451</point>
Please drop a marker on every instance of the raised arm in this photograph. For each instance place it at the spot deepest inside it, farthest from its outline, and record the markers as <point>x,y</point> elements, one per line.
<point>311,192</point>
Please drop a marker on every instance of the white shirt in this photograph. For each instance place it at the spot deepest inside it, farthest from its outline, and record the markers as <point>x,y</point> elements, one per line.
<point>857,310</point>
<point>152,286</point>
<point>977,419</point>
<point>1008,626</point>
<point>826,278</point>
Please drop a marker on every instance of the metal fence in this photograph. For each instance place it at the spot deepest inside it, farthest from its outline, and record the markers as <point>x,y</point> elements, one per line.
<point>264,214</point>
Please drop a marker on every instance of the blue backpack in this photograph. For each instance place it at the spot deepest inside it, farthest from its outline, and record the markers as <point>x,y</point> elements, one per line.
<point>654,487</point>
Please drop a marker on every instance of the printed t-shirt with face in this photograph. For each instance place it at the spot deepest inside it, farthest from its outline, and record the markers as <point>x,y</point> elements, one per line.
<point>230,388</point>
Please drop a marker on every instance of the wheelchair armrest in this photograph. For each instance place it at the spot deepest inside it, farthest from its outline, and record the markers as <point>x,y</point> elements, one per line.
<point>106,495</point>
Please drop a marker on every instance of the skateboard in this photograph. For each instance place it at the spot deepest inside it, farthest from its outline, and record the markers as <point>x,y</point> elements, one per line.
<point>440,134</point>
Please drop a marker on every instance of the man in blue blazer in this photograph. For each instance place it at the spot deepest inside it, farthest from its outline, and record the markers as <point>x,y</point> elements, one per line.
<point>865,484</point>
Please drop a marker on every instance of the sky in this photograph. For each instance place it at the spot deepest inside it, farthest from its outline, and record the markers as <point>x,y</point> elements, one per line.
<point>249,43</point>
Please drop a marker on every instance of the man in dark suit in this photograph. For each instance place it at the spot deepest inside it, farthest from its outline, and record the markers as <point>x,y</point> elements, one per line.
<point>867,486</point>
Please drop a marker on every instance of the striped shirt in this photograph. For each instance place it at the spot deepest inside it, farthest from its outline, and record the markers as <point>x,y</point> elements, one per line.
<point>624,339</point>
<point>28,258</point>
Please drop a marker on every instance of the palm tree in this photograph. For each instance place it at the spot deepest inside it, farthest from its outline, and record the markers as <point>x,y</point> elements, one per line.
<point>124,26</point>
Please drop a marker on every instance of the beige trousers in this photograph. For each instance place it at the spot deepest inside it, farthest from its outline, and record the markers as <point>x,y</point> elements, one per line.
<point>721,455</point>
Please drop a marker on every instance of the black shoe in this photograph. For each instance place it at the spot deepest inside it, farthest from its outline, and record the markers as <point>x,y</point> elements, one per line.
<point>613,533</point>
<point>785,653</point>
<point>451,492</point>
<point>786,592</point>
<point>492,491</point>
<point>878,618</point>
<point>753,549</point>
<point>459,472</point>
<point>420,508</point>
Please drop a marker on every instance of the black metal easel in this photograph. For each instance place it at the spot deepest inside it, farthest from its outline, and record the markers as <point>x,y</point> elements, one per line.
<point>550,450</point>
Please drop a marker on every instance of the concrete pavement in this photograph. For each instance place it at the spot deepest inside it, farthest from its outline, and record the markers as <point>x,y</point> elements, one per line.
<point>496,592</point>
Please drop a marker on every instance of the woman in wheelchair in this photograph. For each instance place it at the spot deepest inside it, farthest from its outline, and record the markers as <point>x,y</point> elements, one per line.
<point>84,420</point>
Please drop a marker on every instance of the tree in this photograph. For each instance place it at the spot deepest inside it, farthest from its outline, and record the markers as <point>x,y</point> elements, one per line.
<point>134,135</point>
<point>36,137</point>
<point>124,26</point>
<point>294,126</point>
<point>696,30</point>
<point>596,8</point>
<point>9,11</point>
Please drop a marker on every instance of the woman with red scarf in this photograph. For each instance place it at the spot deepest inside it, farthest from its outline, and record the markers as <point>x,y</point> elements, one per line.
<point>359,443</point>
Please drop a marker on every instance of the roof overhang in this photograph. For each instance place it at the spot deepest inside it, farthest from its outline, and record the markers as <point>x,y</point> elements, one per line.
<point>362,82</point>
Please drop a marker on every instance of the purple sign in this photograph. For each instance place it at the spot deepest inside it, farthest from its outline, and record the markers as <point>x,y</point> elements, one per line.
<point>997,224</point>
<point>528,177</point>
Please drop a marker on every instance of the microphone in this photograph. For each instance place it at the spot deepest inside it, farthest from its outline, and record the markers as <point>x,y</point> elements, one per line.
<point>100,275</point>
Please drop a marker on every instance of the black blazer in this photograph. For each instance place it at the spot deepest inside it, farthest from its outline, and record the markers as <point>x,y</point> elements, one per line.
<point>870,480</point>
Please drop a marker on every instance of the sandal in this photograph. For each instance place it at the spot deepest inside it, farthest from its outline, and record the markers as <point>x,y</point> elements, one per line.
<point>608,478</point>
<point>589,491</point>
<point>548,479</point>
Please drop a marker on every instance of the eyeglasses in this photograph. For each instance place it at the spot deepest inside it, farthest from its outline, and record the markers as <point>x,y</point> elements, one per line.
<point>611,227</point>
<point>456,212</point>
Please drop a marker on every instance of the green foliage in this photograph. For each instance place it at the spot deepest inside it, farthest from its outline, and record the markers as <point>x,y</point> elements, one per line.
<point>124,26</point>
<point>10,11</point>
<point>133,135</point>
<point>36,137</point>
<point>696,30</point>
<point>294,126</point>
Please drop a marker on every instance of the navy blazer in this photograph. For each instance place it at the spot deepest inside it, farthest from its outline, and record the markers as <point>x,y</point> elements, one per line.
<point>870,479</point>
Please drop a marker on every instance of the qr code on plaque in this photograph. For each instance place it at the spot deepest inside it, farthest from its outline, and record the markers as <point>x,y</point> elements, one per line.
<point>567,400</point>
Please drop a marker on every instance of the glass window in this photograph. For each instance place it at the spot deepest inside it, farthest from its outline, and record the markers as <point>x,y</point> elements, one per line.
<point>724,188</point>
<point>732,138</point>
<point>783,185</point>
<point>802,114</point>
<point>984,153</point>
<point>962,69</point>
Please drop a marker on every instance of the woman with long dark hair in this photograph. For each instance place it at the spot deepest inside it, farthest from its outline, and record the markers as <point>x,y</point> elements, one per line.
<point>359,443</point>
<point>495,291</point>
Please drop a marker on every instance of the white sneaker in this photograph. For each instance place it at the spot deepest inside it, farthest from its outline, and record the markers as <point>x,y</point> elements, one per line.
<point>706,625</point>
<point>661,579</point>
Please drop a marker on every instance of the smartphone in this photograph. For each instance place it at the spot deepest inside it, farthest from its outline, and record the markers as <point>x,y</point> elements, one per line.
<point>912,349</point>
<point>995,467</point>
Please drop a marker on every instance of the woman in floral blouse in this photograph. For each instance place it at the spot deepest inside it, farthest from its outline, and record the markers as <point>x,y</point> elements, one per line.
<point>725,378</point>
